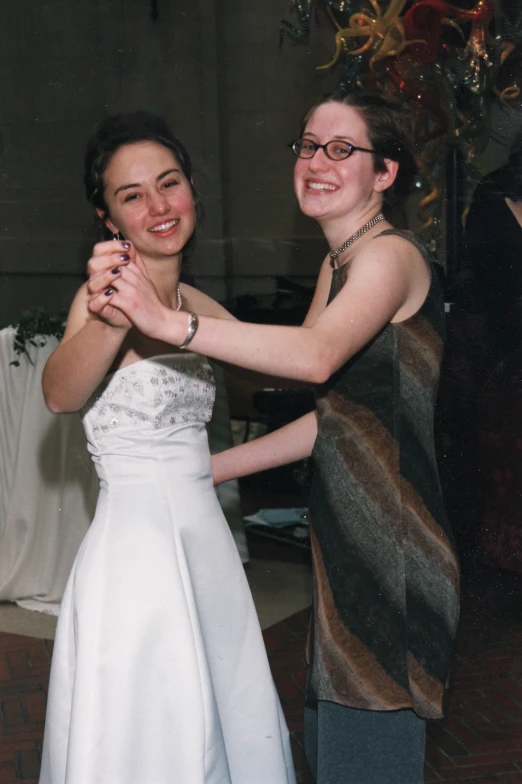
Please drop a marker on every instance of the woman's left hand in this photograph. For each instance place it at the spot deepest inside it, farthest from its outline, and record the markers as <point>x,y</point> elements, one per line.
<point>134,294</point>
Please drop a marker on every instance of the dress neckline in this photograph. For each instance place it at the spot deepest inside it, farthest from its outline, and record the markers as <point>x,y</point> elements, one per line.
<point>406,234</point>
<point>409,237</point>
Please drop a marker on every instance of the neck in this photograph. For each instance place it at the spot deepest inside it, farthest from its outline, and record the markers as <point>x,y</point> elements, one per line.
<point>337,230</point>
<point>164,272</point>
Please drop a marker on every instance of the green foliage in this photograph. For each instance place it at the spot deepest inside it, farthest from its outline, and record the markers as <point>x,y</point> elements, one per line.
<point>33,328</point>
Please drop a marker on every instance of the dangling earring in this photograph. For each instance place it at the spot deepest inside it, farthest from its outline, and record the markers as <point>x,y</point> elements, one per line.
<point>116,236</point>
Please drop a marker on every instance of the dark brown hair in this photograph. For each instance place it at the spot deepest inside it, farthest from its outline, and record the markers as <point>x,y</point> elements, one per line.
<point>119,130</point>
<point>390,132</point>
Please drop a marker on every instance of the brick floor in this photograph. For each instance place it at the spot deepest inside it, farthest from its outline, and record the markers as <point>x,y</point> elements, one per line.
<point>478,742</point>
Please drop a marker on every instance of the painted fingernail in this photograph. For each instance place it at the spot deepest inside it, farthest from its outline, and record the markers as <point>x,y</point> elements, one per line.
<point>116,271</point>
<point>108,292</point>
<point>124,257</point>
<point>126,245</point>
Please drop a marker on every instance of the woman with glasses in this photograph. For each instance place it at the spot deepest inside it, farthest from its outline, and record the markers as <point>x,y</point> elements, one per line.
<point>385,570</point>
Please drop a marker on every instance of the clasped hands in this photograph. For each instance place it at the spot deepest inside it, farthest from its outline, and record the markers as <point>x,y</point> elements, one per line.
<point>120,291</point>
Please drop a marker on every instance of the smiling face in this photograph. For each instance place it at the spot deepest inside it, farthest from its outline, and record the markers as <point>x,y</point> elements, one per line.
<point>149,198</point>
<point>329,189</point>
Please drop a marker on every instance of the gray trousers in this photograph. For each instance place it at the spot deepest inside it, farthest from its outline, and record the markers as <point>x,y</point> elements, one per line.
<point>351,746</point>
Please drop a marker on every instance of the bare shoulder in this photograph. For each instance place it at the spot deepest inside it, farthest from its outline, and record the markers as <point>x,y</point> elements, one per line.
<point>387,272</point>
<point>391,253</point>
<point>202,304</point>
<point>394,263</point>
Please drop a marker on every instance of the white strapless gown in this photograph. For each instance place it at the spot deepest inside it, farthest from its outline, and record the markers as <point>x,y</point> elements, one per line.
<point>159,672</point>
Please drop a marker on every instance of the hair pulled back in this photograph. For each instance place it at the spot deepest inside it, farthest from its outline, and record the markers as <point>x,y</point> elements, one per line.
<point>119,130</point>
<point>389,126</point>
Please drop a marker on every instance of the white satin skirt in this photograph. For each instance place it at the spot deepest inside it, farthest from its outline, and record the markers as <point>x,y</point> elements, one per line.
<point>159,671</point>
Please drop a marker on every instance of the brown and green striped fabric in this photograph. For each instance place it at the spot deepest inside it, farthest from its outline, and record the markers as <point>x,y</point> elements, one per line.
<point>386,573</point>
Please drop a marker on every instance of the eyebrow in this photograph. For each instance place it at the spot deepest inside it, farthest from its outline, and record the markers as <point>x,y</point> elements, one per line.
<point>137,184</point>
<point>333,139</point>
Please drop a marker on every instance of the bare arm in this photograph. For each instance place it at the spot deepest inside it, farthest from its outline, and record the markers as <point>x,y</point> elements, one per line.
<point>91,341</point>
<point>388,281</point>
<point>204,305</point>
<point>291,442</point>
<point>81,360</point>
<point>201,303</point>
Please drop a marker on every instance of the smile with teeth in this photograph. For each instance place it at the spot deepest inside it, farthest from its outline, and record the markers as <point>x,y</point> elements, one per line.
<point>320,186</point>
<point>165,226</point>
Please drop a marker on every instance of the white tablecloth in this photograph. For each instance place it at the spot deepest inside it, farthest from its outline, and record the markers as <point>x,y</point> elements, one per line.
<point>48,486</point>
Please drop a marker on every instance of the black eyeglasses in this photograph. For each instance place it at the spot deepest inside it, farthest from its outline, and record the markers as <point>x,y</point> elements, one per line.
<point>335,150</point>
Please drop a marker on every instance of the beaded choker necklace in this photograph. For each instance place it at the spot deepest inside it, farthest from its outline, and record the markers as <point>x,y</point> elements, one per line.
<point>346,244</point>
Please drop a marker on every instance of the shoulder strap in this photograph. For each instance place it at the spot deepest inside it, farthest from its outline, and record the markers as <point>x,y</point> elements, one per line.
<point>410,237</point>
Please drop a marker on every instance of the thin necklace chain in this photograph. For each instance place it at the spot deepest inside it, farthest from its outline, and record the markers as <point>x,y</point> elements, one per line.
<point>346,244</point>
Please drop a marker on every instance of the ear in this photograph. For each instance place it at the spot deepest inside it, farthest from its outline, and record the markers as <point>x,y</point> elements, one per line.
<point>110,225</point>
<point>385,179</point>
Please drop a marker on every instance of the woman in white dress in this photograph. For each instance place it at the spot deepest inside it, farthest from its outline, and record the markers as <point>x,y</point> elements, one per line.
<point>159,672</point>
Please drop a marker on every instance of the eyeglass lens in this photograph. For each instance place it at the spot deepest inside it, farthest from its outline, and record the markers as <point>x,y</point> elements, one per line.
<point>336,150</point>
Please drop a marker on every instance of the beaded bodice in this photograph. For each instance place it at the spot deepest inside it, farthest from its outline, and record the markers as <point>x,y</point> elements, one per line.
<point>151,394</point>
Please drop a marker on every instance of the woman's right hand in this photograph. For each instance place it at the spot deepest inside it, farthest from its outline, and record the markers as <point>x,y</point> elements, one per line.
<point>103,269</point>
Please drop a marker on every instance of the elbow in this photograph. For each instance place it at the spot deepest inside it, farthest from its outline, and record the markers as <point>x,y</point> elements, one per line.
<point>55,408</point>
<point>318,374</point>
<point>323,360</point>
<point>55,405</point>
<point>50,400</point>
<point>51,394</point>
<point>320,370</point>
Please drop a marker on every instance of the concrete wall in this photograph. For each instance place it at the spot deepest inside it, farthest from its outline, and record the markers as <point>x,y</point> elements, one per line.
<point>215,71</point>
<point>265,90</point>
<point>63,67</point>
